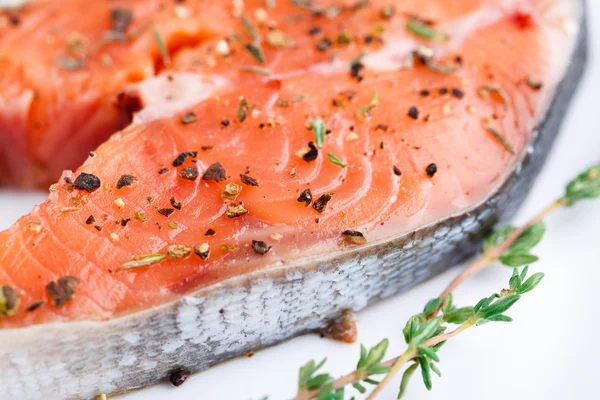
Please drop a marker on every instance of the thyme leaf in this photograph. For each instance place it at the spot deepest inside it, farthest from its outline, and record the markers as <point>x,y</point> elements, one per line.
<point>425,31</point>
<point>500,138</point>
<point>319,130</point>
<point>336,160</point>
<point>162,47</point>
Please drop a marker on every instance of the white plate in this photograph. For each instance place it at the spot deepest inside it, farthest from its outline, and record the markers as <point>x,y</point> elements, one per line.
<point>549,352</point>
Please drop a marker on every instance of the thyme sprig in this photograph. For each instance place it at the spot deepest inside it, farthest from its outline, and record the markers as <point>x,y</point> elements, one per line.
<point>425,333</point>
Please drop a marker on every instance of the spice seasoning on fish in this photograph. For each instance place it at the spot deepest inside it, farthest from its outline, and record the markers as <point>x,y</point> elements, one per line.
<point>397,171</point>
<point>431,170</point>
<point>189,173</point>
<point>485,91</point>
<point>533,83</point>
<point>178,251</point>
<point>215,172</point>
<point>210,232</point>
<point>260,247</point>
<point>231,191</point>
<point>120,19</point>
<point>9,301</point>
<point>500,138</point>
<point>225,122</point>
<point>256,52</point>
<point>235,210</point>
<point>126,180</point>
<point>423,30</point>
<point>313,31</point>
<point>323,45</point>
<point>365,112</point>
<point>354,237</point>
<point>176,204</point>
<point>188,118</point>
<point>336,160</point>
<point>87,182</point>
<point>242,111</point>
<point>305,197</point>
<point>34,226</point>
<point>202,250</point>
<point>62,290</point>
<point>125,221</point>
<point>248,180</point>
<point>179,160</point>
<point>166,211</point>
<point>413,112</point>
<point>142,261</point>
<point>178,377</point>
<point>162,47</point>
<point>34,306</point>
<point>356,69</point>
<point>140,216</point>
<point>98,228</point>
<point>312,154</point>
<point>119,203</point>
<point>387,12</point>
<point>163,171</point>
<point>459,94</point>
<point>321,203</point>
<point>319,130</point>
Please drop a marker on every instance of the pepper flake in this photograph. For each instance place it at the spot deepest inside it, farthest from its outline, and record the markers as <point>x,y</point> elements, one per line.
<point>260,247</point>
<point>235,210</point>
<point>9,301</point>
<point>215,172</point>
<point>178,251</point>
<point>62,290</point>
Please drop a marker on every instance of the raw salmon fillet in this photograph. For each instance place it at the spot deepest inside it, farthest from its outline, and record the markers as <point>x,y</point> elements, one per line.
<point>60,75</point>
<point>280,165</point>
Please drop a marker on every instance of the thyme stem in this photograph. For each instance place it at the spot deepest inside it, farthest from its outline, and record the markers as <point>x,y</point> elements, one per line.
<point>395,363</point>
<point>479,264</point>
<point>494,252</point>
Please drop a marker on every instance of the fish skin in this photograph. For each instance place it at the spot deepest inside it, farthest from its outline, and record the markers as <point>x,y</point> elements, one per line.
<point>141,349</point>
<point>156,336</point>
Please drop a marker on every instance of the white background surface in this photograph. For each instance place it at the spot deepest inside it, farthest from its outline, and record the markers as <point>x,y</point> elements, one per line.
<point>549,352</point>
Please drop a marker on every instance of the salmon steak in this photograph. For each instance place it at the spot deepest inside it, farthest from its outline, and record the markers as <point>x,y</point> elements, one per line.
<point>263,167</point>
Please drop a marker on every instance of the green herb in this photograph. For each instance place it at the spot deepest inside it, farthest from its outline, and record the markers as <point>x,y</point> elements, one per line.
<point>319,130</point>
<point>140,216</point>
<point>426,56</point>
<point>257,70</point>
<point>499,91</point>
<point>257,52</point>
<point>142,261</point>
<point>188,118</point>
<point>336,160</point>
<point>585,186</point>
<point>424,31</point>
<point>365,112</point>
<point>307,380</point>
<point>69,63</point>
<point>9,301</point>
<point>162,47</point>
<point>519,252</point>
<point>249,28</point>
<point>500,138</point>
<point>533,83</point>
<point>242,111</point>
<point>425,333</point>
